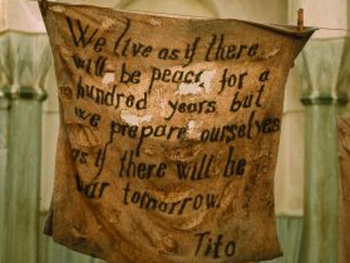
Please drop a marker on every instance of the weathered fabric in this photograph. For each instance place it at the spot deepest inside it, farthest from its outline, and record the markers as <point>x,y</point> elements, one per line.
<point>169,134</point>
<point>344,204</point>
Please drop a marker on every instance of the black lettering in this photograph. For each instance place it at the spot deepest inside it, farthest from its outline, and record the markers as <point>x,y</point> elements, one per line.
<point>102,189</point>
<point>182,132</point>
<point>178,77</point>
<point>79,183</point>
<point>109,96</point>
<point>205,107</point>
<point>219,50</point>
<point>99,158</point>
<point>83,157</point>
<point>205,135</point>
<point>236,103</point>
<point>79,62</point>
<point>268,125</point>
<point>231,167</point>
<point>125,49</point>
<point>156,75</point>
<point>253,50</point>
<point>230,249</point>
<point>130,101</point>
<point>132,131</point>
<point>81,113</point>
<point>173,107</point>
<point>146,131</point>
<point>161,170</point>
<point>174,54</point>
<point>99,44</point>
<point>163,53</point>
<point>183,205</point>
<point>151,203</point>
<point>141,170</point>
<point>163,207</point>
<point>80,89</point>
<point>242,131</point>
<point>169,76</point>
<point>208,250</point>
<point>241,48</point>
<point>250,125</point>
<point>141,104</point>
<point>182,107</point>
<point>214,135</point>
<point>81,36</point>
<point>192,107</point>
<point>116,46</point>
<point>94,120</point>
<point>240,170</point>
<point>217,245</point>
<point>220,55</point>
<point>233,80</point>
<point>166,74</point>
<point>197,203</point>
<point>183,170</point>
<point>208,247</point>
<point>133,76</point>
<point>160,131</point>
<point>231,51</point>
<point>126,191</point>
<point>201,237</point>
<point>229,132</point>
<point>191,51</point>
<point>98,65</point>
<point>212,201</point>
<point>264,76</point>
<point>260,91</point>
<point>146,51</point>
<point>135,197</point>
<point>89,190</point>
<point>136,48</point>
<point>171,211</point>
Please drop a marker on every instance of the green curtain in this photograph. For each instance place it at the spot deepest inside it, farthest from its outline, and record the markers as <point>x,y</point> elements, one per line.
<point>22,183</point>
<point>24,63</point>
<point>3,162</point>
<point>289,233</point>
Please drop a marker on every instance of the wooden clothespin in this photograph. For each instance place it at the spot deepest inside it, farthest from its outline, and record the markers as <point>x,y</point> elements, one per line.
<point>300,21</point>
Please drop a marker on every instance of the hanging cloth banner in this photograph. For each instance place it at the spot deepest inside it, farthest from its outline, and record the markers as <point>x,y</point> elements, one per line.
<point>344,200</point>
<point>169,131</point>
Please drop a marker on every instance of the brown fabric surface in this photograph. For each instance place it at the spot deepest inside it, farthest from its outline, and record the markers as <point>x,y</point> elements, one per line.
<point>344,200</point>
<point>169,134</point>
